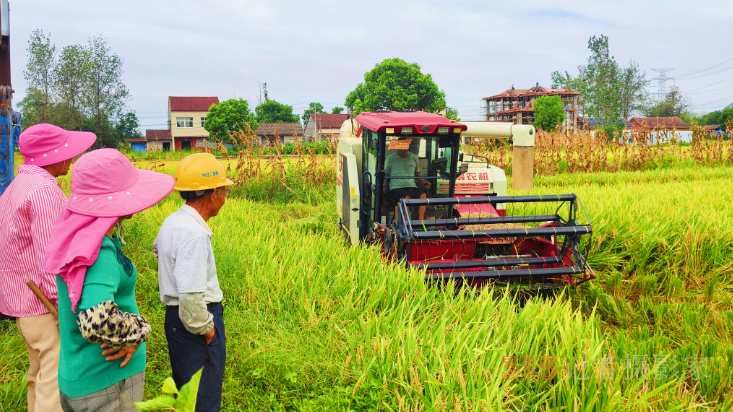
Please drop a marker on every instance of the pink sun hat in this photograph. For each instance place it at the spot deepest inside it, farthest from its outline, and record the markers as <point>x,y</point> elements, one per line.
<point>45,144</point>
<point>104,183</point>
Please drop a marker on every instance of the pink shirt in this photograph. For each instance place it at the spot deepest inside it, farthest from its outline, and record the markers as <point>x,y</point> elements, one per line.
<point>28,209</point>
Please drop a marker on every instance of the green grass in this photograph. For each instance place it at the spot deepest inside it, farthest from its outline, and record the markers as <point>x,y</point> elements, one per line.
<point>313,325</point>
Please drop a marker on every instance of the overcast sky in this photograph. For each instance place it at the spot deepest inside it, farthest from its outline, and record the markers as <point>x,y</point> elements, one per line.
<point>319,50</point>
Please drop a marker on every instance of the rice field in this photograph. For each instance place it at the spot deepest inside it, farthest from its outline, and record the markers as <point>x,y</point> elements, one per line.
<point>313,325</point>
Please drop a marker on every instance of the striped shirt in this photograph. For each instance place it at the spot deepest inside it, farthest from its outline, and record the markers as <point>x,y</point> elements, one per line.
<point>28,209</point>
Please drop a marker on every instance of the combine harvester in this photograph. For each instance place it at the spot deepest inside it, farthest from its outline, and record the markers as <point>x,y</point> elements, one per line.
<point>471,229</point>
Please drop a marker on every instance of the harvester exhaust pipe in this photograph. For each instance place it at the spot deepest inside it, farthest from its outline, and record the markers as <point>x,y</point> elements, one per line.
<point>522,137</point>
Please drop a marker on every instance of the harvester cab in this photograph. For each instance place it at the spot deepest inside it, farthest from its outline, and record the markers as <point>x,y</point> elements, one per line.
<point>462,225</point>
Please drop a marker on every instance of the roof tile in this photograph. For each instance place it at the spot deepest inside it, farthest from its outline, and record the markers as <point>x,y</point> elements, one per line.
<point>191,104</point>
<point>329,121</point>
<point>283,129</point>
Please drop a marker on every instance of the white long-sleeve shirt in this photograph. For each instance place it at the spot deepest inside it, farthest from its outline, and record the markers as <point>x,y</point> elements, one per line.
<point>187,268</point>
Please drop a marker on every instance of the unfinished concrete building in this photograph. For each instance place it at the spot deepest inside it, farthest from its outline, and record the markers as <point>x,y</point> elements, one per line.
<point>517,106</point>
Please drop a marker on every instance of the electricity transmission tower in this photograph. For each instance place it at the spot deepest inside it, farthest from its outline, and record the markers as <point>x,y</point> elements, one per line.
<point>662,82</point>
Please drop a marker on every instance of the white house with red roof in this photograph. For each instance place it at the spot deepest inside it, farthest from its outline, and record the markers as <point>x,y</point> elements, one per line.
<point>186,117</point>
<point>322,126</point>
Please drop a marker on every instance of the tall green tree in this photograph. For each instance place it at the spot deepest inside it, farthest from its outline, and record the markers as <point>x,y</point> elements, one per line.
<point>70,82</point>
<point>127,126</point>
<point>396,85</point>
<point>273,112</point>
<point>609,91</point>
<point>452,113</point>
<point>39,74</point>
<point>673,105</point>
<point>104,93</point>
<point>548,112</point>
<point>313,108</point>
<point>227,117</point>
<point>337,110</point>
<point>80,89</point>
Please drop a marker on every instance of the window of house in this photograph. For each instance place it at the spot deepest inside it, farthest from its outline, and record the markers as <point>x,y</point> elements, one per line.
<point>184,121</point>
<point>203,121</point>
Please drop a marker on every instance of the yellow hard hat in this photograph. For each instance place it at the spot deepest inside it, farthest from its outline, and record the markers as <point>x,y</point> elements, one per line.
<point>200,171</point>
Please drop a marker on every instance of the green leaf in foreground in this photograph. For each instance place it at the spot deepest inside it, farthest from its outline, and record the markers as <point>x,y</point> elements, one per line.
<point>163,402</point>
<point>184,402</point>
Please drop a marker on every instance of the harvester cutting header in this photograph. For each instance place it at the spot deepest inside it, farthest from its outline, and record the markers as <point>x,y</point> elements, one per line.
<point>404,183</point>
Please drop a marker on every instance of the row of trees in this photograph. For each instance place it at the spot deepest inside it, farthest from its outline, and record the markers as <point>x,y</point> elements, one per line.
<point>392,85</point>
<point>233,114</point>
<point>609,90</point>
<point>78,88</point>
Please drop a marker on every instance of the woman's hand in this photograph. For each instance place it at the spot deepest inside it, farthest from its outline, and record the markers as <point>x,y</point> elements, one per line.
<point>125,352</point>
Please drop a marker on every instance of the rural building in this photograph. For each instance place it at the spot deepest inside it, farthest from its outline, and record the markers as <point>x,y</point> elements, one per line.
<point>663,127</point>
<point>153,140</point>
<point>517,105</point>
<point>713,129</point>
<point>186,118</point>
<point>286,132</point>
<point>321,126</point>
<point>594,124</point>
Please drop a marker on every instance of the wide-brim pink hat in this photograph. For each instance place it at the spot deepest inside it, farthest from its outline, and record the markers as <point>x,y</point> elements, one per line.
<point>45,144</point>
<point>104,183</point>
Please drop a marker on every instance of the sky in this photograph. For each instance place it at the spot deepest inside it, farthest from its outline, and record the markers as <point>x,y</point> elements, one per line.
<point>318,50</point>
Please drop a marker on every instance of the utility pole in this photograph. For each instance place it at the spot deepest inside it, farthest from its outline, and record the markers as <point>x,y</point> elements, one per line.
<point>9,120</point>
<point>662,82</point>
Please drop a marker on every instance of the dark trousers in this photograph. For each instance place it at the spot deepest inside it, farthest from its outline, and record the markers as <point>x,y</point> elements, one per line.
<point>189,353</point>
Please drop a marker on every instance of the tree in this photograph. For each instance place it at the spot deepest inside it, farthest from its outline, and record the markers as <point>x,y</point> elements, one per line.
<point>396,85</point>
<point>452,113</point>
<point>82,89</point>
<point>39,74</point>
<point>673,105</point>
<point>548,112</point>
<point>273,112</point>
<point>126,126</point>
<point>337,110</point>
<point>227,117</point>
<point>313,108</point>
<point>609,91</point>
<point>70,81</point>
<point>720,117</point>
<point>104,92</point>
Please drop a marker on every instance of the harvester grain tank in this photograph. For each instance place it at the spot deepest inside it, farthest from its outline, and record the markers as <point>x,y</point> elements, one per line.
<point>471,229</point>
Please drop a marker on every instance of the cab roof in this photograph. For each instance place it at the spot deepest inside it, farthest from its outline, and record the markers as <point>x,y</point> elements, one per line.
<point>380,121</point>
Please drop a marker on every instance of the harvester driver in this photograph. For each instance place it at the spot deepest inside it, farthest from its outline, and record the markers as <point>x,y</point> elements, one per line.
<point>403,163</point>
<point>188,283</point>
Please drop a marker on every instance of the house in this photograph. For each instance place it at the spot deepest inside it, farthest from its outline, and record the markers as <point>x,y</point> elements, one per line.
<point>186,119</point>
<point>663,127</point>
<point>712,129</point>
<point>153,140</point>
<point>593,124</point>
<point>286,132</point>
<point>517,105</point>
<point>322,125</point>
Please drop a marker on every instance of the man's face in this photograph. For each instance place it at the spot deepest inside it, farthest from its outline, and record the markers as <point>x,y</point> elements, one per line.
<point>218,198</point>
<point>402,153</point>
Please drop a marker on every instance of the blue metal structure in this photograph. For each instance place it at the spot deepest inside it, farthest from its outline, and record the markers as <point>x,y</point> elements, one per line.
<point>9,120</point>
<point>9,131</point>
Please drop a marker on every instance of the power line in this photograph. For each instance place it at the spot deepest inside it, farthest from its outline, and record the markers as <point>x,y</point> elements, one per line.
<point>700,71</point>
<point>712,84</point>
<point>713,90</point>
<point>709,74</point>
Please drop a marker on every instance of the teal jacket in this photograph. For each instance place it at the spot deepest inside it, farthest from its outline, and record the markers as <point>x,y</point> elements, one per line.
<point>82,368</point>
